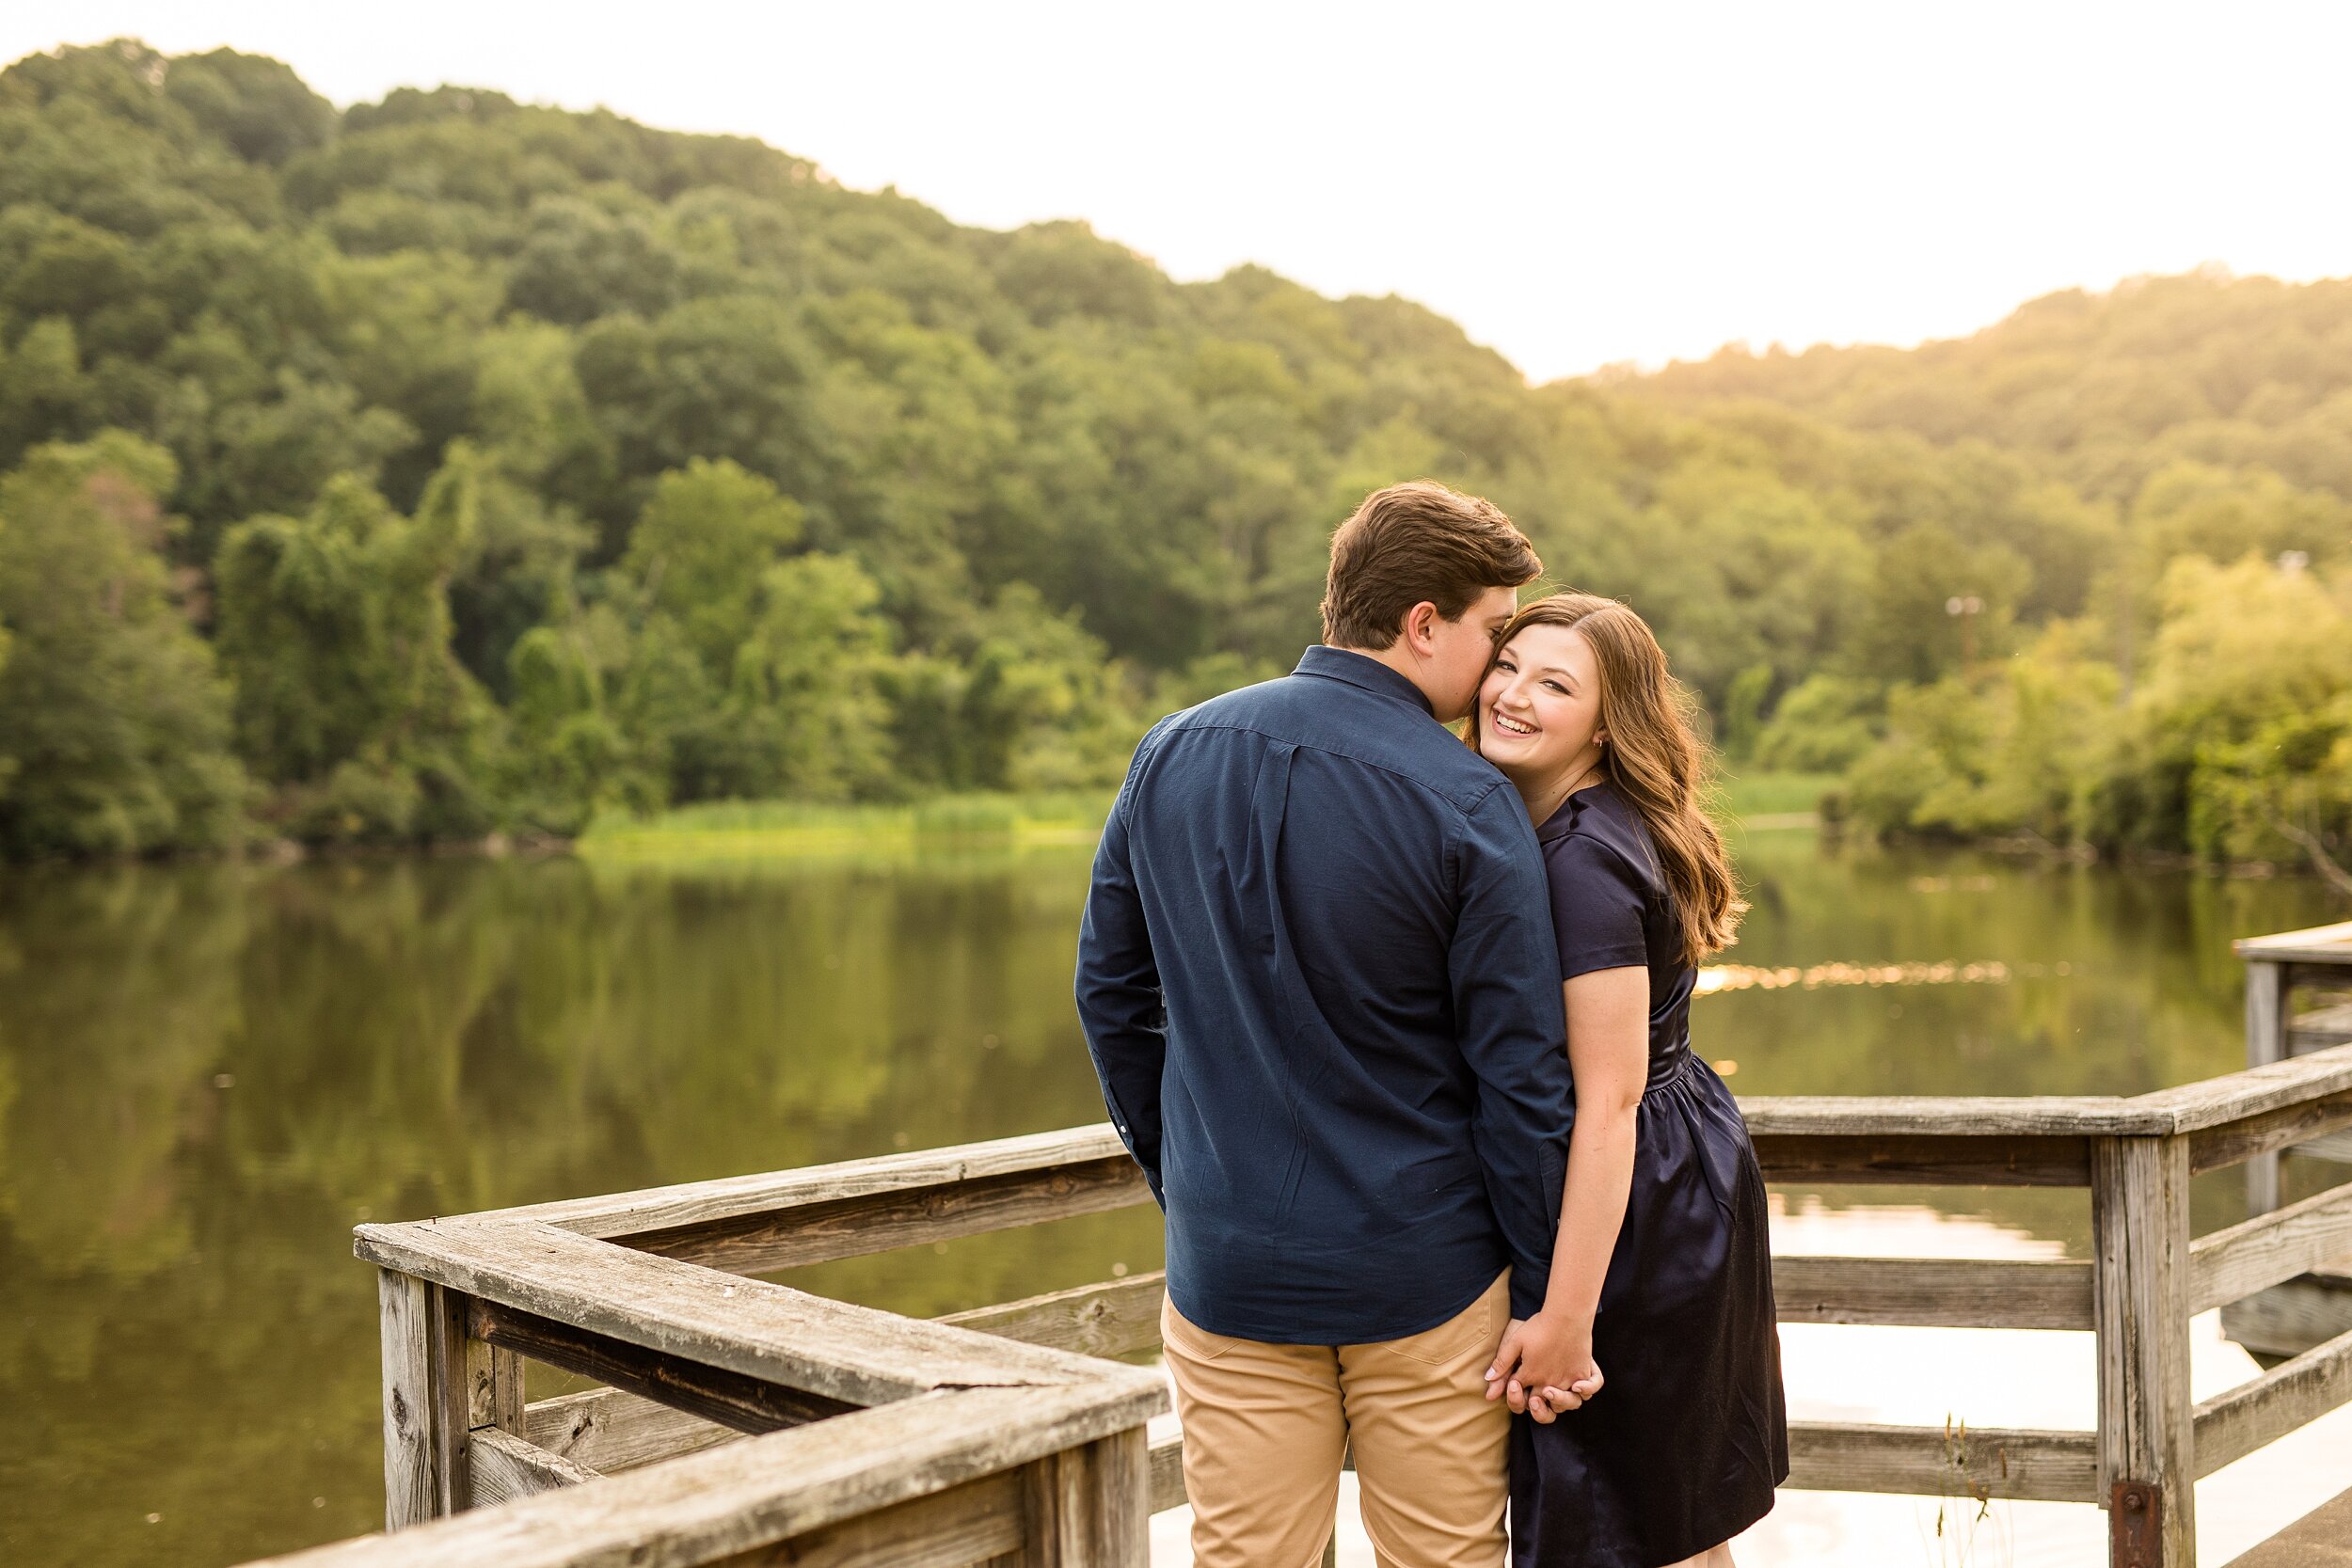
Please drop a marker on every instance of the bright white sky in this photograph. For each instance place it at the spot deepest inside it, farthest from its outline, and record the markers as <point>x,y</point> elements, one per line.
<point>1576,183</point>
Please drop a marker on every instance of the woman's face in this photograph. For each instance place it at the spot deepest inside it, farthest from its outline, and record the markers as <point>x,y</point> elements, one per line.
<point>1539,707</point>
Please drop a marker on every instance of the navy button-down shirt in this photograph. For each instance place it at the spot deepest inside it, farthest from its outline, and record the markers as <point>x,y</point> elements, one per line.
<point>1318,979</point>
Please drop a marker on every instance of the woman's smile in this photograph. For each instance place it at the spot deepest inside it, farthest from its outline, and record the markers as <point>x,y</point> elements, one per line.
<point>1509,725</point>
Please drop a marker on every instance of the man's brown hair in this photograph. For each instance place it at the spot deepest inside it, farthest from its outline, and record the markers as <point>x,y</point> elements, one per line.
<point>1414,542</point>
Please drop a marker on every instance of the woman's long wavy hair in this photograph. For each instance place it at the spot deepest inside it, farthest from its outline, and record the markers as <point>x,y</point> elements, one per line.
<point>1653,757</point>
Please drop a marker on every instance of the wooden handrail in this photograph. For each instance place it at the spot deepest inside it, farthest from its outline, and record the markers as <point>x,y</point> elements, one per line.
<point>850,1473</point>
<point>648,1292</point>
<point>884,1200</point>
<point>2255,1091</point>
<point>689,1203</point>
<point>2314,944</point>
<point>2231,1264</point>
<point>765,1331</point>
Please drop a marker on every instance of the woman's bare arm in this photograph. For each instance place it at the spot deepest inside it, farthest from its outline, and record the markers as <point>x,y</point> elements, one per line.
<point>1609,1051</point>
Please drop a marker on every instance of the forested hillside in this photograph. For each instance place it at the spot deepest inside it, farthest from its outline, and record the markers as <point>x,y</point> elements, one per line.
<point>446,464</point>
<point>2108,389</point>
<point>2202,699</point>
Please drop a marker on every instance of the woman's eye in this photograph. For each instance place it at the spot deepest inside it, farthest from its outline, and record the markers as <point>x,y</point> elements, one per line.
<point>1555,686</point>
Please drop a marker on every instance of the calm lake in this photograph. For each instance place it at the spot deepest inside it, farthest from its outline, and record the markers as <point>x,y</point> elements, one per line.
<point>209,1074</point>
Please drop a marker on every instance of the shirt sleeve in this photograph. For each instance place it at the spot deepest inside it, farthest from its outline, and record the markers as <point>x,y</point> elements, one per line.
<point>1599,908</point>
<point>1508,1018</point>
<point>1119,1004</point>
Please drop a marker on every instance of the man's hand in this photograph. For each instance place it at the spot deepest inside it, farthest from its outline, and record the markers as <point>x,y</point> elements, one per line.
<point>1544,1367</point>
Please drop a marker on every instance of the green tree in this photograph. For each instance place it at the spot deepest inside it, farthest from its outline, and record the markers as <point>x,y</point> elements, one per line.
<point>701,551</point>
<point>350,700</point>
<point>113,729</point>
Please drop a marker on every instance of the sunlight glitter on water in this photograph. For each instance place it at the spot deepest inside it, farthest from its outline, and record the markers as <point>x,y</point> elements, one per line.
<point>1986,1377</point>
<point>1730,977</point>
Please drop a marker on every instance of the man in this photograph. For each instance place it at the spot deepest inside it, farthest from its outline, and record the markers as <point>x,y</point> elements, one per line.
<point>1317,978</point>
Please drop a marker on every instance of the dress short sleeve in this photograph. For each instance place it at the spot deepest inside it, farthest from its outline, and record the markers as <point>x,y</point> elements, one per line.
<point>1597,907</point>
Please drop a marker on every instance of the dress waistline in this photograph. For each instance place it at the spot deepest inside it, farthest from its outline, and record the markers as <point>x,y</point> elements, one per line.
<point>1670,1068</point>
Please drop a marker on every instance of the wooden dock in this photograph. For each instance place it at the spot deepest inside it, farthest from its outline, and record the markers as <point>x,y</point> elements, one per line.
<point>745,1422</point>
<point>2317,1306</point>
<point>2320,1539</point>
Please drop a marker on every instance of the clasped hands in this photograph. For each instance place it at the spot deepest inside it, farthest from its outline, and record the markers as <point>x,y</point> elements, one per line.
<point>1545,1366</point>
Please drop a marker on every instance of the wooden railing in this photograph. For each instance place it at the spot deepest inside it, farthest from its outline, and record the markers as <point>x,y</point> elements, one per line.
<point>1011,1435</point>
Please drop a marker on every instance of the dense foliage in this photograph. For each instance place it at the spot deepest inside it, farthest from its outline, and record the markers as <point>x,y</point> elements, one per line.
<point>446,464</point>
<point>2199,697</point>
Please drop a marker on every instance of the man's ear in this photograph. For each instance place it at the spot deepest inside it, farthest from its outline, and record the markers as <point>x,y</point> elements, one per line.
<point>1418,623</point>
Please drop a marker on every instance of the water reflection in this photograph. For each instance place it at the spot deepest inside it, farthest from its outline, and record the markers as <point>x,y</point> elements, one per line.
<point>209,1074</point>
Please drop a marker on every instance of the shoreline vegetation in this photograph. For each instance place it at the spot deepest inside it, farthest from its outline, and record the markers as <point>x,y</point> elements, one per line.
<point>1759,802</point>
<point>450,471</point>
<point>742,830</point>
<point>732,829</point>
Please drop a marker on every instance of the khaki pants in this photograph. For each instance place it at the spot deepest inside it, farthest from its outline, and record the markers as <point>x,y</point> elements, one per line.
<point>1265,1427</point>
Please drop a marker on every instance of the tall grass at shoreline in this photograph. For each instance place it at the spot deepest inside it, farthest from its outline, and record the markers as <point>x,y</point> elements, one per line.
<point>731,829</point>
<point>756,827</point>
<point>1762,800</point>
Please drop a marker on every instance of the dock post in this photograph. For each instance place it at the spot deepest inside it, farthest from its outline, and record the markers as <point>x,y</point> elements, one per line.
<point>427,1409</point>
<point>2266,1042</point>
<point>1090,1507</point>
<point>2140,1293</point>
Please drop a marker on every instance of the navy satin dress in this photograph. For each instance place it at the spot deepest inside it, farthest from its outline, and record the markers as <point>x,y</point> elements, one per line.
<point>1688,1435</point>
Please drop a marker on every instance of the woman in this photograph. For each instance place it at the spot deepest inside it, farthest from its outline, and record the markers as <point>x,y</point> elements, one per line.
<point>1652,1373</point>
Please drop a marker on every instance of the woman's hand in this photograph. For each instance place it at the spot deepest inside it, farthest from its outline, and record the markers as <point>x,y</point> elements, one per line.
<point>1545,1366</point>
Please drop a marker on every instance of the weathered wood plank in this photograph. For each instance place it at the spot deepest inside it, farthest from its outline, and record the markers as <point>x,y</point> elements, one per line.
<point>2256,1091</point>
<point>2290,1318</point>
<point>733,1400</point>
<point>494,1387</point>
<point>2266,1042</point>
<point>762,1330</point>
<point>1166,1458</point>
<point>422,1342</point>
<point>2233,1143</point>
<point>1990,1461</point>
<point>1926,1161</point>
<point>611,1430</point>
<point>2232,1264</point>
<point>1122,1317</point>
<point>448,1354</point>
<point>1120,1533</point>
<point>2320,1539</point>
<point>2334,1147</point>
<point>2140,1250</point>
<point>1933,1293</point>
<point>693,1203</point>
<point>1955,1117</point>
<point>2311,1032</point>
<point>854,1227</point>
<point>504,1467</point>
<point>741,1497</point>
<point>411,1492</point>
<point>2026,1464</point>
<point>1090,1507</point>
<point>2320,1029</point>
<point>690,1207</point>
<point>1113,1319</point>
<point>980,1522</point>
<point>2257,1414</point>
<point>2320,944</point>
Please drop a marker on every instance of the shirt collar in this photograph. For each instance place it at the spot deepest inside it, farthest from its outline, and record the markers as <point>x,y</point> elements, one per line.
<point>1560,823</point>
<point>1361,669</point>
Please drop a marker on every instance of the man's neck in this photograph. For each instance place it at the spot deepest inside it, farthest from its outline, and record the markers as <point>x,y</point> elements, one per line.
<point>1399,658</point>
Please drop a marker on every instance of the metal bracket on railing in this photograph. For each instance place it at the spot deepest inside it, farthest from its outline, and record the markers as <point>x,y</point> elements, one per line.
<point>2136,1525</point>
